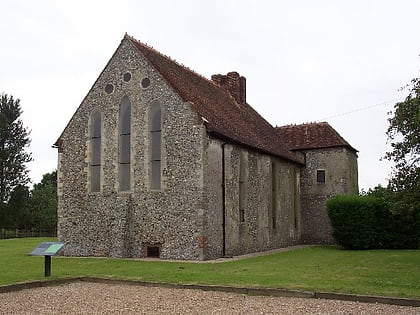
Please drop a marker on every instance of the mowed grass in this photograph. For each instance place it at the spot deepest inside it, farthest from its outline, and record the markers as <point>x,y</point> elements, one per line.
<point>323,268</point>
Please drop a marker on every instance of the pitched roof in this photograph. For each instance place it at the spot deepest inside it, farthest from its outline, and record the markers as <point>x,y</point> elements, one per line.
<point>311,136</point>
<point>227,119</point>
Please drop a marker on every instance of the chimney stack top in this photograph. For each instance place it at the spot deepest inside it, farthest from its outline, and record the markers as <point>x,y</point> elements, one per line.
<point>234,84</point>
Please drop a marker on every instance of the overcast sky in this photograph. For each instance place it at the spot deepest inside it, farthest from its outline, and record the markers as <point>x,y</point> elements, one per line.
<point>336,61</point>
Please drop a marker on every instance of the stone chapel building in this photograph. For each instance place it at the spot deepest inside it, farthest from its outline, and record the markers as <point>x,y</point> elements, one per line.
<point>159,161</point>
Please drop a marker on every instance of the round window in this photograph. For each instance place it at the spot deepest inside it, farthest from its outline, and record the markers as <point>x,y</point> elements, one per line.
<point>127,77</point>
<point>145,82</point>
<point>109,88</point>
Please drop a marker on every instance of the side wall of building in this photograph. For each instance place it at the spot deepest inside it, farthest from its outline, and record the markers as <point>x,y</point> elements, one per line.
<point>261,201</point>
<point>126,223</point>
<point>341,177</point>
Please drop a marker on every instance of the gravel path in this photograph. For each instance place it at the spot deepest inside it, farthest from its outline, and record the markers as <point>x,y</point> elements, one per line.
<point>100,298</point>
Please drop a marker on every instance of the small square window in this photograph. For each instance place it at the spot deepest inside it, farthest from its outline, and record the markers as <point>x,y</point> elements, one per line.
<point>320,176</point>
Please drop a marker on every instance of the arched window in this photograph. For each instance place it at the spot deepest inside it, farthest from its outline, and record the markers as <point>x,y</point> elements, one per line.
<point>125,145</point>
<point>274,193</point>
<point>155,128</point>
<point>95,146</point>
<point>242,185</point>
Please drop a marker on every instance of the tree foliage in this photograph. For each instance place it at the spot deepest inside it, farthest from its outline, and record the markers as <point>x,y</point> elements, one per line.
<point>404,134</point>
<point>404,129</point>
<point>34,209</point>
<point>16,214</point>
<point>43,203</point>
<point>14,138</point>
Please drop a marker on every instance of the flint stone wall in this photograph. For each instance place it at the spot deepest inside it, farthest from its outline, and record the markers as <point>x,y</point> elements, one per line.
<point>122,224</point>
<point>256,232</point>
<point>341,177</point>
<point>184,219</point>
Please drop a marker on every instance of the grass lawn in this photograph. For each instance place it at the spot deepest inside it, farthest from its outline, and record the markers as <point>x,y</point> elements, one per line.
<point>324,268</point>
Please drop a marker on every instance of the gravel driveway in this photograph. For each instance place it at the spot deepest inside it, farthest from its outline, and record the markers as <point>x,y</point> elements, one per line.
<point>101,298</point>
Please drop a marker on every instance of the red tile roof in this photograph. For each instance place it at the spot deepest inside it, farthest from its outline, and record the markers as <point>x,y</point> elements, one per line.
<point>311,136</point>
<point>227,119</point>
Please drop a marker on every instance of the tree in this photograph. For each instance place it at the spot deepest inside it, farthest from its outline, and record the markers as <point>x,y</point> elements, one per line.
<point>14,138</point>
<point>17,214</point>
<point>404,135</point>
<point>43,203</point>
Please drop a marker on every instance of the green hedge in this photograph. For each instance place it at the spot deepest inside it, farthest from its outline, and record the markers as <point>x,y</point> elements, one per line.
<point>366,222</point>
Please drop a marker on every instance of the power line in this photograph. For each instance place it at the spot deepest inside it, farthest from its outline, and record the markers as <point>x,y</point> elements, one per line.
<point>361,109</point>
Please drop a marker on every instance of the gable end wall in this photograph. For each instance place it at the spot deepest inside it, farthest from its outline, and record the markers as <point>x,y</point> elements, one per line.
<point>122,224</point>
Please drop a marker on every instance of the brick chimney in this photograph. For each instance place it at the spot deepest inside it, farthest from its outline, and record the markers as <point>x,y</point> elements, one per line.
<point>234,83</point>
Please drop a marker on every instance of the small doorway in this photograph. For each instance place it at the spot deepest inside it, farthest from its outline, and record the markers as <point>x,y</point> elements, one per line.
<point>152,250</point>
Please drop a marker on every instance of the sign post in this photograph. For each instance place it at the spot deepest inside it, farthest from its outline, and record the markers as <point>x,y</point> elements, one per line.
<point>47,249</point>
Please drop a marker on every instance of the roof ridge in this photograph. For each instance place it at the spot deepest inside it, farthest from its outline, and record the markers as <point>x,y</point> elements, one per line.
<point>195,73</point>
<point>325,123</point>
<point>226,117</point>
<point>147,46</point>
<point>314,135</point>
<point>198,75</point>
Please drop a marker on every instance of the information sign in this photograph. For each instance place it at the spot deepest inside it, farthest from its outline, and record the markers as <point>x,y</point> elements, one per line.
<point>47,249</point>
